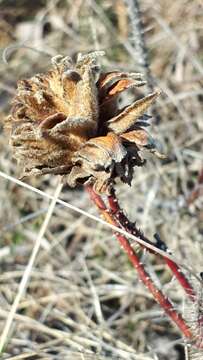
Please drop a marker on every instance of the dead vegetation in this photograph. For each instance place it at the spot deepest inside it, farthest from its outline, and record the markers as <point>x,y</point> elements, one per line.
<point>83,299</point>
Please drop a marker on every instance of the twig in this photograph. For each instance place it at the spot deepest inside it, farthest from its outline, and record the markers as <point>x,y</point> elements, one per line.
<point>131,228</point>
<point>138,41</point>
<point>198,189</point>
<point>139,45</point>
<point>142,273</point>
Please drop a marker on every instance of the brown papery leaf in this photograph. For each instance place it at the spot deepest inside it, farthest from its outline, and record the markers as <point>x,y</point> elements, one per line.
<point>139,137</point>
<point>129,115</point>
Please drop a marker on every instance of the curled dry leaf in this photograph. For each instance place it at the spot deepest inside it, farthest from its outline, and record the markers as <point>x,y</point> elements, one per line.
<point>68,122</point>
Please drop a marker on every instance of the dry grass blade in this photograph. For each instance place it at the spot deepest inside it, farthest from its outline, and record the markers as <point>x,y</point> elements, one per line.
<point>103,222</point>
<point>61,306</point>
<point>28,270</point>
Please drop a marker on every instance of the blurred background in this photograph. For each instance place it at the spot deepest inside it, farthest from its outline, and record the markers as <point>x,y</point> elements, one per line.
<point>84,300</point>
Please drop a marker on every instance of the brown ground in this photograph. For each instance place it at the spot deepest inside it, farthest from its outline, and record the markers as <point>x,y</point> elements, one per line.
<point>83,300</point>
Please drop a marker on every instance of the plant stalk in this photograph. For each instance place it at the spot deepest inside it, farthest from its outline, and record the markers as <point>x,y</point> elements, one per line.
<point>137,264</point>
<point>132,229</point>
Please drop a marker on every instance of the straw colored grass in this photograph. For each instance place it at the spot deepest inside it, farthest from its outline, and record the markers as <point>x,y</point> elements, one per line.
<point>83,299</point>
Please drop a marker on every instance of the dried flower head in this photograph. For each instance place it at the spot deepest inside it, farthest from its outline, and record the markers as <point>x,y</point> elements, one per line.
<point>68,122</point>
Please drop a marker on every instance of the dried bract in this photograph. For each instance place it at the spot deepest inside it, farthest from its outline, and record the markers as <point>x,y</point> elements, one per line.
<point>68,122</point>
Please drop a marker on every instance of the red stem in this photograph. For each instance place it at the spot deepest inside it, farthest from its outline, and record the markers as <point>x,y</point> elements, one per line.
<point>131,228</point>
<point>142,273</point>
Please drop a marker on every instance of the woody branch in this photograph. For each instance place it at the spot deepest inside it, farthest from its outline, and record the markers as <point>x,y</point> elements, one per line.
<point>158,295</point>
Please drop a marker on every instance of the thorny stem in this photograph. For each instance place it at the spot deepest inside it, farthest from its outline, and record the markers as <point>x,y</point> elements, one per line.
<point>142,273</point>
<point>139,44</point>
<point>175,268</point>
<point>138,40</point>
<point>198,189</point>
<point>132,229</point>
